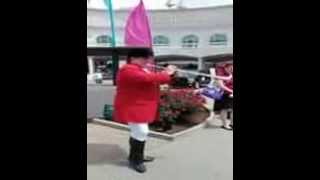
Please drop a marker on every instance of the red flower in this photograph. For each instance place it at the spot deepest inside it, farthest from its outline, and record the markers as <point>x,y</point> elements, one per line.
<point>175,102</point>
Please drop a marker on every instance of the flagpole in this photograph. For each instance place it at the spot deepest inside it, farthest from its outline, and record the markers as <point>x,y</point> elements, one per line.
<point>115,58</point>
<point>113,36</point>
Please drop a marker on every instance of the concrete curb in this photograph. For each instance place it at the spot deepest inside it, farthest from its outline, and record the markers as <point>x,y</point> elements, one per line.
<point>154,134</point>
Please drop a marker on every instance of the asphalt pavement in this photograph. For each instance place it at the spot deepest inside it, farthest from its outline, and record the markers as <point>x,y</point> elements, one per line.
<point>205,155</point>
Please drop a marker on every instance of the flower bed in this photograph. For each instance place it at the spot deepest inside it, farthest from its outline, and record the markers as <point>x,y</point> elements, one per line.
<point>180,109</point>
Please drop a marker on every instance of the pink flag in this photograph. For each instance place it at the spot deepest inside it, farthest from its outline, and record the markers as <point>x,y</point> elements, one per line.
<point>137,29</point>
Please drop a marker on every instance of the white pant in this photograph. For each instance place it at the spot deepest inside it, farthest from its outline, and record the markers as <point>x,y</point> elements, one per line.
<point>139,131</point>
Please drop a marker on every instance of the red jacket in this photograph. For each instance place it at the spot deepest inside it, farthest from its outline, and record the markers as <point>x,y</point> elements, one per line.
<point>137,95</point>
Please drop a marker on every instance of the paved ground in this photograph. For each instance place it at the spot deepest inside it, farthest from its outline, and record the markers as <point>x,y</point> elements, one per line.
<point>204,155</point>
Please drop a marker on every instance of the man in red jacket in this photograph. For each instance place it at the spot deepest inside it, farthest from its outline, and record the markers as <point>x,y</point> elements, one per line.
<point>136,101</point>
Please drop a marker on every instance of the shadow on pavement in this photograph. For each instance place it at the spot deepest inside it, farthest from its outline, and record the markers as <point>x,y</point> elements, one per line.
<point>106,154</point>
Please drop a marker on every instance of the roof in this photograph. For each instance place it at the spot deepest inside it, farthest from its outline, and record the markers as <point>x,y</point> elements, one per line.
<point>107,51</point>
<point>167,10</point>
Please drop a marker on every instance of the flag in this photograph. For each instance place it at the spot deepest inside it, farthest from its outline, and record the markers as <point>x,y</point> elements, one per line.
<point>137,29</point>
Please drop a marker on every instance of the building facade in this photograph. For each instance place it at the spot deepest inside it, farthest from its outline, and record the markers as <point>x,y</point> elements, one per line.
<point>191,38</point>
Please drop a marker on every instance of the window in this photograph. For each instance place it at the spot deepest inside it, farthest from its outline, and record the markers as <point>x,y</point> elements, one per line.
<point>218,39</point>
<point>190,41</point>
<point>104,39</point>
<point>160,41</point>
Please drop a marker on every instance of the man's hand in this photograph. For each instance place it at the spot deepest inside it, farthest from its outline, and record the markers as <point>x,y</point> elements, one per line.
<point>224,78</point>
<point>171,69</point>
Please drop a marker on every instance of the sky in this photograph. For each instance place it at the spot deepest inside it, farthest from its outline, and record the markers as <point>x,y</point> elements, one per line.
<point>158,4</point>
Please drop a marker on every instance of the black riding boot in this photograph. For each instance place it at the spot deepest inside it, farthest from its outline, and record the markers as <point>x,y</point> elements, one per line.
<point>131,149</point>
<point>146,158</point>
<point>136,155</point>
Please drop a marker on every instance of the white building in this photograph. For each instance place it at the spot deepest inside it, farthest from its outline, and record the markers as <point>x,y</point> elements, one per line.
<point>182,36</point>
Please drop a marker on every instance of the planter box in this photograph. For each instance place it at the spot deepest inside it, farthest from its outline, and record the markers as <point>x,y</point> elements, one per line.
<point>197,117</point>
<point>107,111</point>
